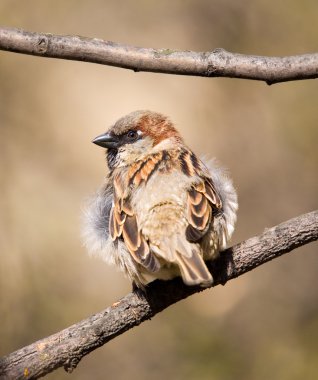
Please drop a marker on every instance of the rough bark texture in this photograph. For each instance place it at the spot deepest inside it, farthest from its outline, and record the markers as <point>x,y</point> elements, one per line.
<point>67,347</point>
<point>217,63</point>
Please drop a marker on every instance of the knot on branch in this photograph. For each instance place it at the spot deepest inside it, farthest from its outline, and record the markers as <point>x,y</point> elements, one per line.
<point>71,364</point>
<point>42,44</point>
<point>215,62</point>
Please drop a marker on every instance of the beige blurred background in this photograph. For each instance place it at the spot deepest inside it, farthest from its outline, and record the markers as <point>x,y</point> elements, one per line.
<point>263,325</point>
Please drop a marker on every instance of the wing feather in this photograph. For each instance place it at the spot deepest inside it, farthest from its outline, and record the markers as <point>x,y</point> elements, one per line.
<point>201,208</point>
<point>123,224</point>
<point>212,194</point>
<point>131,234</point>
<point>199,214</point>
<point>202,201</point>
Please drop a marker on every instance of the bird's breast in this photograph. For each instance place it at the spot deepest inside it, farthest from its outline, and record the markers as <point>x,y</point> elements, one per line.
<point>161,200</point>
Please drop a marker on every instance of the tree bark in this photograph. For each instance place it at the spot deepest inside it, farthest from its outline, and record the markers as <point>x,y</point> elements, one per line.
<point>216,63</point>
<point>67,347</point>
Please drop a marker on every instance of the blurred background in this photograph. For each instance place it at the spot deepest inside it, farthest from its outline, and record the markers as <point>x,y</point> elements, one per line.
<point>262,325</point>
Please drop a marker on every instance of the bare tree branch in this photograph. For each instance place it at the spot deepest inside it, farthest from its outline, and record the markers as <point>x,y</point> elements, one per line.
<point>217,63</point>
<point>67,347</point>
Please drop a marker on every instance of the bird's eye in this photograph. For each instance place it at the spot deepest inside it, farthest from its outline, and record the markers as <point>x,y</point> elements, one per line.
<point>132,135</point>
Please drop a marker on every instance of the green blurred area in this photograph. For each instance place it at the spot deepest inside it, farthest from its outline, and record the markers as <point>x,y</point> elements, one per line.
<point>263,325</point>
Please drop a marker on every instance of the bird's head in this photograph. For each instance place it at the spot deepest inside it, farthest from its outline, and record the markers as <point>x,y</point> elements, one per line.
<point>137,135</point>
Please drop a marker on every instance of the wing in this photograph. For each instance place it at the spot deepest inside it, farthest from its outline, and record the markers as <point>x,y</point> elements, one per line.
<point>123,224</point>
<point>203,201</point>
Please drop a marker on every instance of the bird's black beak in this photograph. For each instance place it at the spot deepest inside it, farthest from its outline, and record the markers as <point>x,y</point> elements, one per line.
<point>107,140</point>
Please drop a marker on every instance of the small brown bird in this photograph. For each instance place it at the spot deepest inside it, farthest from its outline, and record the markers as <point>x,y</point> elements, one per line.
<point>161,211</point>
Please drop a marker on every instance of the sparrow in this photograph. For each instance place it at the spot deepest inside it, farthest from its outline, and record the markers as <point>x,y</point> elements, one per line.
<point>161,212</point>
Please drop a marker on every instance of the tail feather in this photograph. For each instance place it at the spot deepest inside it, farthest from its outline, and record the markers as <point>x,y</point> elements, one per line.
<point>187,256</point>
<point>193,269</point>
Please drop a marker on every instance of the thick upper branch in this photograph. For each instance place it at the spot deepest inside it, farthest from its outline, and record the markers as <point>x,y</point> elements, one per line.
<point>218,63</point>
<point>66,348</point>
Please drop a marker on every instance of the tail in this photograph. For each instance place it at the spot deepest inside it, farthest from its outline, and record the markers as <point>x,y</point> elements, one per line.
<point>187,257</point>
<point>194,270</point>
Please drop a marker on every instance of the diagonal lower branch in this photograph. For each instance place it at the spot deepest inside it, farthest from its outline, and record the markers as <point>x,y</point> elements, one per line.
<point>217,63</point>
<point>67,347</point>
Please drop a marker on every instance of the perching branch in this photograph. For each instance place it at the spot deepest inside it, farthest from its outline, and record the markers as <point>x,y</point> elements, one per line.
<point>217,63</point>
<point>67,347</point>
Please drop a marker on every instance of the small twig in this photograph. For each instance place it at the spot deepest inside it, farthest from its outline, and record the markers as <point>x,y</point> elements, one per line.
<point>67,347</point>
<point>217,63</point>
